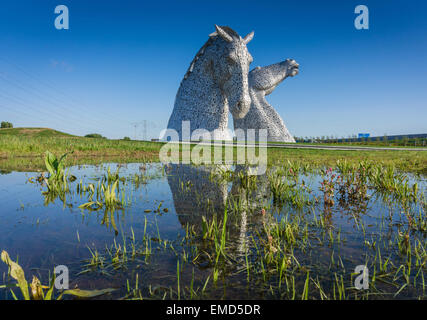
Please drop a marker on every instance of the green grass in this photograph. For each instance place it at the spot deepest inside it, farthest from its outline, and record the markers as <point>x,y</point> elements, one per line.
<point>372,144</point>
<point>33,132</point>
<point>23,149</point>
<point>411,161</point>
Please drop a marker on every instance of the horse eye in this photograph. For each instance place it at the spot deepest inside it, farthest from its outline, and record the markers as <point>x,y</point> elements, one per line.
<point>231,60</point>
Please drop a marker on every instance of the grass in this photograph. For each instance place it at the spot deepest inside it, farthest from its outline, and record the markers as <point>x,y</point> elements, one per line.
<point>20,144</point>
<point>33,132</point>
<point>412,161</point>
<point>22,149</point>
<point>380,144</point>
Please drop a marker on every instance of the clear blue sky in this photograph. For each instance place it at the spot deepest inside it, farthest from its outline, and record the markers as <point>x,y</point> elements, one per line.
<point>122,62</point>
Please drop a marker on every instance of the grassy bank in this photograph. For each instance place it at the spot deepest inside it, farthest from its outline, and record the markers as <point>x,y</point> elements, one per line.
<point>33,133</point>
<point>411,161</point>
<point>23,148</point>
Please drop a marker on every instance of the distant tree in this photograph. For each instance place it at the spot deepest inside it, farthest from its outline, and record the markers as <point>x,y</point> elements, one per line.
<point>5,125</point>
<point>126,138</point>
<point>385,138</point>
<point>95,135</point>
<point>405,140</point>
<point>416,141</point>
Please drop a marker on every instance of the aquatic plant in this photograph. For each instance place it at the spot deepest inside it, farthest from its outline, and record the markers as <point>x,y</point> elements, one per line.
<point>271,237</point>
<point>58,181</point>
<point>288,191</point>
<point>327,186</point>
<point>37,289</point>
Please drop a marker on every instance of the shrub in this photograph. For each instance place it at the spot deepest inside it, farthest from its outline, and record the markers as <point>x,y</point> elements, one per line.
<point>5,124</point>
<point>95,135</point>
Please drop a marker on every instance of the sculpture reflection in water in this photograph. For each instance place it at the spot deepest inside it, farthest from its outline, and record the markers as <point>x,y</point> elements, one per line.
<point>202,193</point>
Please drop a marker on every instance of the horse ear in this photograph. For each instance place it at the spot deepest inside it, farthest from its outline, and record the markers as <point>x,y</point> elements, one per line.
<point>248,38</point>
<point>223,34</point>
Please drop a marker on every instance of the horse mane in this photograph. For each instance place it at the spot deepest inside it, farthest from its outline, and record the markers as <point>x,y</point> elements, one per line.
<point>212,37</point>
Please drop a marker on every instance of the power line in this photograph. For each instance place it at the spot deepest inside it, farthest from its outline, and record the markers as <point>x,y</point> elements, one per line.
<point>38,113</point>
<point>9,108</point>
<point>55,89</point>
<point>77,119</point>
<point>136,125</point>
<point>145,124</point>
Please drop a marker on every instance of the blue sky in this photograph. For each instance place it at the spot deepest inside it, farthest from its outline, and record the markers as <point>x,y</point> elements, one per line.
<point>121,62</point>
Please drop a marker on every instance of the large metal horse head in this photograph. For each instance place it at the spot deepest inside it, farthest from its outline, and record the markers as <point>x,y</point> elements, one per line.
<point>215,84</point>
<point>231,70</point>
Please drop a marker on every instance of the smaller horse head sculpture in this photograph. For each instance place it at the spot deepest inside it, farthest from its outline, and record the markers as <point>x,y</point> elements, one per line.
<point>262,82</point>
<point>231,69</point>
<point>267,78</point>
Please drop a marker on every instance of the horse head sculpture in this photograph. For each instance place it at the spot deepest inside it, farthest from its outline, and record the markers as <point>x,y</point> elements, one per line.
<point>267,78</point>
<point>262,82</point>
<point>231,70</point>
<point>215,84</point>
